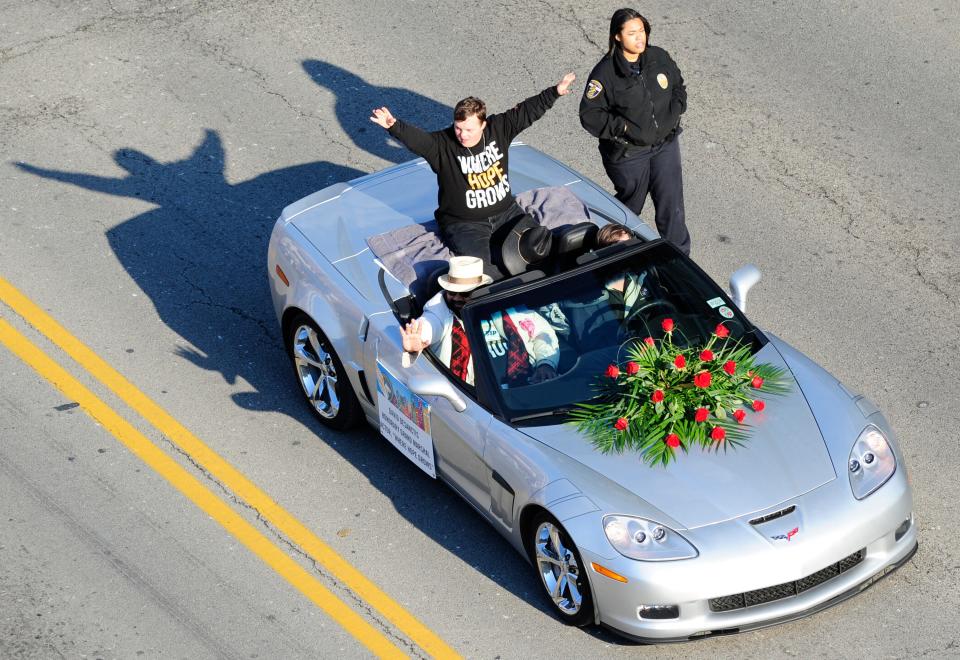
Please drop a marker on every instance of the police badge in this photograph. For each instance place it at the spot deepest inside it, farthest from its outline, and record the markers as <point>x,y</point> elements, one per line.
<point>594,87</point>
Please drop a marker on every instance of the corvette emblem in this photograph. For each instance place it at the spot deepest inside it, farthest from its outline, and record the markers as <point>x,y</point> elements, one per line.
<point>786,537</point>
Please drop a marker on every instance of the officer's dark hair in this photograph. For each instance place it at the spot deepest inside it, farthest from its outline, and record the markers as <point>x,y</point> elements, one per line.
<point>468,107</point>
<point>617,21</point>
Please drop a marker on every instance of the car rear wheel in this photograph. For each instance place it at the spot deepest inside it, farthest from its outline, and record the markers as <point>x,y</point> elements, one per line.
<point>321,375</point>
<point>562,573</point>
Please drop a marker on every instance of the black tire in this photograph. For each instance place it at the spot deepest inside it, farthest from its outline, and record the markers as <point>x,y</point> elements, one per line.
<point>321,375</point>
<point>543,534</point>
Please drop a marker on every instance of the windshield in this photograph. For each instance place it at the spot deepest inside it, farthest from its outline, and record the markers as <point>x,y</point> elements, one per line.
<point>547,343</point>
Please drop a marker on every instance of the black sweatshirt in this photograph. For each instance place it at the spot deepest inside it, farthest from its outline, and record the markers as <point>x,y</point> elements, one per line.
<point>473,182</point>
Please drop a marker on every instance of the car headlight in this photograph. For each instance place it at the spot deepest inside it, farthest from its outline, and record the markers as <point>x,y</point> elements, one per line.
<point>871,462</point>
<point>646,540</point>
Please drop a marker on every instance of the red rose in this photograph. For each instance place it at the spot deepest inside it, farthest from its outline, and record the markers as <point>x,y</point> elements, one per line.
<point>648,341</point>
<point>621,424</point>
<point>672,440</point>
<point>739,415</point>
<point>706,355</point>
<point>757,382</point>
<point>632,368</point>
<point>612,371</point>
<point>657,396</point>
<point>717,433</point>
<point>702,379</point>
<point>721,331</point>
<point>667,325</point>
<point>759,405</point>
<point>730,367</point>
<point>680,362</point>
<point>701,415</point>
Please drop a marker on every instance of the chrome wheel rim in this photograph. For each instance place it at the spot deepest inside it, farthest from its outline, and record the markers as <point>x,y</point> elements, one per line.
<point>558,569</point>
<point>318,375</point>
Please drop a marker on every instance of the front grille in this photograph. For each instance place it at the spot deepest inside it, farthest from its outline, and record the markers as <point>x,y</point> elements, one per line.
<point>787,589</point>
<point>820,577</point>
<point>849,562</point>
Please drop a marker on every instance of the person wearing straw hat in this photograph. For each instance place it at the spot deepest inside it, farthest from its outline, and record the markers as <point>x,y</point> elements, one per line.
<point>518,334</point>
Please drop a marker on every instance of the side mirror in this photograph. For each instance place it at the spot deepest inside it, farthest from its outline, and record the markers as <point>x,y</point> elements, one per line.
<point>741,282</point>
<point>436,385</point>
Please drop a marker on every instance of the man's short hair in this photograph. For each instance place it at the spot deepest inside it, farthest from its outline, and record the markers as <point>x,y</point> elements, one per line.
<point>612,233</point>
<point>469,107</point>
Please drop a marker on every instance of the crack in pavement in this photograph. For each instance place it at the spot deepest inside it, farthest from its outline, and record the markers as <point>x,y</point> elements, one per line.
<point>117,19</point>
<point>95,541</point>
<point>909,254</point>
<point>571,18</point>
<point>715,32</point>
<point>360,604</point>
<point>61,109</point>
<point>269,342</point>
<point>666,21</point>
<point>223,58</point>
<point>952,644</point>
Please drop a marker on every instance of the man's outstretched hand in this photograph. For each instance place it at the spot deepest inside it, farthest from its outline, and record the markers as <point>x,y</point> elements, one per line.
<point>382,117</point>
<point>563,87</point>
<point>410,334</point>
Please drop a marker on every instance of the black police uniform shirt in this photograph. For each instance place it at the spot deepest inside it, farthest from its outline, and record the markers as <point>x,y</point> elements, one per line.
<point>474,183</point>
<point>623,106</point>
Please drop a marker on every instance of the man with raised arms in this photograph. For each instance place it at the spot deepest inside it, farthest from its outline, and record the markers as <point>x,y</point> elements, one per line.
<point>470,159</point>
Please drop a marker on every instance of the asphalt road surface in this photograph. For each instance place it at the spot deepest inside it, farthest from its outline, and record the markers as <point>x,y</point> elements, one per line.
<point>147,149</point>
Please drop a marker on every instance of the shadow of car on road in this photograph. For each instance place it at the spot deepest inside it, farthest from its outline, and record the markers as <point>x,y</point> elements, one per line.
<point>199,256</point>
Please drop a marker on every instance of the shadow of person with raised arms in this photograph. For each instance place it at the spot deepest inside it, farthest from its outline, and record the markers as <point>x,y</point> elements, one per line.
<point>199,254</point>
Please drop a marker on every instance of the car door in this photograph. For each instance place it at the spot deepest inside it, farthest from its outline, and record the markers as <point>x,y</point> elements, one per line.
<point>458,436</point>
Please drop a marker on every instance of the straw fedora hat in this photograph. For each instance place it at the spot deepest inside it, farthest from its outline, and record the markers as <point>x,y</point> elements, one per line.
<point>465,274</point>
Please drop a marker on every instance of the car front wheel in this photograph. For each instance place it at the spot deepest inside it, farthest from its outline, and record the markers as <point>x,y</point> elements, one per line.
<point>562,573</point>
<point>321,375</point>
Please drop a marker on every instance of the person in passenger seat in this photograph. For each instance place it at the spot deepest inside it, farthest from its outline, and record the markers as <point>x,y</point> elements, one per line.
<point>522,336</point>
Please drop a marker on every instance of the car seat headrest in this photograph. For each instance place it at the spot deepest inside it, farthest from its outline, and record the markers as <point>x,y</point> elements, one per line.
<point>575,239</point>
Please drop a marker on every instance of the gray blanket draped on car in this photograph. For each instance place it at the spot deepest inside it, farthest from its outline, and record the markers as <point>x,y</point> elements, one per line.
<point>412,252</point>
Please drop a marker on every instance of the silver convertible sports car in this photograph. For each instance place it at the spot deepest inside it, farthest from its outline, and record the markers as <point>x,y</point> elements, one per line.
<point>815,508</point>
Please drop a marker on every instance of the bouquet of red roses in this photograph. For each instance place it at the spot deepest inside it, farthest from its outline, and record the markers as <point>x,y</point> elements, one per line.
<point>666,397</point>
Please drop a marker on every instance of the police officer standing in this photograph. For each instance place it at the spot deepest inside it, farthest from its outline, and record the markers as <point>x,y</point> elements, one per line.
<point>632,103</point>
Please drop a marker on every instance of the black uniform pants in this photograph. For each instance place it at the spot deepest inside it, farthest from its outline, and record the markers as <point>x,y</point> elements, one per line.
<point>482,238</point>
<point>655,170</point>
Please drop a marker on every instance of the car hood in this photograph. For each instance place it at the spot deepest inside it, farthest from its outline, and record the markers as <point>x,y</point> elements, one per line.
<point>784,456</point>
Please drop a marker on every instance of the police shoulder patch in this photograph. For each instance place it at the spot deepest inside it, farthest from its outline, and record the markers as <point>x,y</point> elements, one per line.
<point>594,87</point>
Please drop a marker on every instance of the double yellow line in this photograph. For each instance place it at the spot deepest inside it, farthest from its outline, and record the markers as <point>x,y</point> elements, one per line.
<point>226,474</point>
